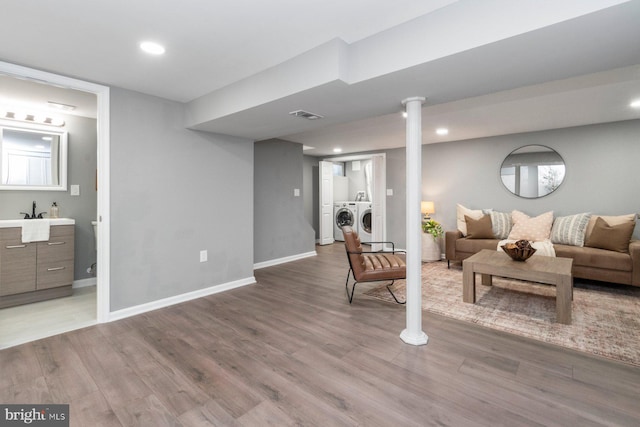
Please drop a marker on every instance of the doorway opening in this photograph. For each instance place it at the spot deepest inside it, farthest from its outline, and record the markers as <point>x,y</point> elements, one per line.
<point>353,186</point>
<point>102,174</point>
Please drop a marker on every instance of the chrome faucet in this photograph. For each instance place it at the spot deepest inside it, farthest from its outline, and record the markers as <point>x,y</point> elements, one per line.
<point>33,212</point>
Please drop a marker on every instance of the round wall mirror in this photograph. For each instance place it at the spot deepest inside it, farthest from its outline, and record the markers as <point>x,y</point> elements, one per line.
<point>532,171</point>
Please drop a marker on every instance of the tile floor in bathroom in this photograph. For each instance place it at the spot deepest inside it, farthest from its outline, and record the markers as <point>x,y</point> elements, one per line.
<point>30,322</point>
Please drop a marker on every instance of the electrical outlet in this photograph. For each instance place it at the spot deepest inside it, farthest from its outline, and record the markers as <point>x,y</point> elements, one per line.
<point>203,256</point>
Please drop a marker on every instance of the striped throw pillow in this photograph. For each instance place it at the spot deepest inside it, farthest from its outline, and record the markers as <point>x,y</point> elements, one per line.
<point>501,224</point>
<point>570,230</point>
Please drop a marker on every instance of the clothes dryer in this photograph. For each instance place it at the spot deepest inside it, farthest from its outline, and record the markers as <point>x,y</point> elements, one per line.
<point>364,221</point>
<point>344,213</point>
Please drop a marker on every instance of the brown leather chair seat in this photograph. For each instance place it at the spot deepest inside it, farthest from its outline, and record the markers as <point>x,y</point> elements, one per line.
<point>368,266</point>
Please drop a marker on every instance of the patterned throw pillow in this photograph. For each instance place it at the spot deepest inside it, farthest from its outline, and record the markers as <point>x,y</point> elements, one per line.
<point>501,224</point>
<point>533,229</point>
<point>570,230</point>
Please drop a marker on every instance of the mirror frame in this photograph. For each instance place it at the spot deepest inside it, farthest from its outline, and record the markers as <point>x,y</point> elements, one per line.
<point>62,153</point>
<point>548,149</point>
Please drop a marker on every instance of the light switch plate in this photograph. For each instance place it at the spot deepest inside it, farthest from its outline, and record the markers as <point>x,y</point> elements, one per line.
<point>203,256</point>
<point>296,192</point>
<point>389,191</point>
<point>75,190</point>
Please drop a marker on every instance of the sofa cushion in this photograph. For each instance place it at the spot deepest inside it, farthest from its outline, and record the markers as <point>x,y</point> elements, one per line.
<point>461,211</point>
<point>595,258</point>
<point>570,230</point>
<point>479,228</point>
<point>527,228</point>
<point>611,237</point>
<point>475,245</point>
<point>501,224</point>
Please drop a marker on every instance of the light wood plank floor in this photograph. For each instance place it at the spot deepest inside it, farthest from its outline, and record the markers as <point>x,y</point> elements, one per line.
<point>290,350</point>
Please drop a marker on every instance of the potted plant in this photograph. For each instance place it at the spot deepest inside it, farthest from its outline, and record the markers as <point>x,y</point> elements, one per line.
<point>430,246</point>
<point>432,227</point>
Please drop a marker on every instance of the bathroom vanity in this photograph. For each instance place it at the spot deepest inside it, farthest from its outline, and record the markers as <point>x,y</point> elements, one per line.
<point>36,271</point>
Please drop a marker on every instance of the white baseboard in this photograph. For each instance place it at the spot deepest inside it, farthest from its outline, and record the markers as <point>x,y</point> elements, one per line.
<point>166,302</point>
<point>273,262</point>
<point>83,283</point>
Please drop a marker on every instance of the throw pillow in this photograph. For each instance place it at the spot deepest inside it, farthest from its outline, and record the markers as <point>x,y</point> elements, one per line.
<point>533,229</point>
<point>570,230</point>
<point>461,211</point>
<point>611,237</point>
<point>479,228</point>
<point>501,224</point>
<point>611,220</point>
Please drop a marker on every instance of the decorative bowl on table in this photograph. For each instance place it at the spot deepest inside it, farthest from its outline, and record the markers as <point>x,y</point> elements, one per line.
<point>520,250</point>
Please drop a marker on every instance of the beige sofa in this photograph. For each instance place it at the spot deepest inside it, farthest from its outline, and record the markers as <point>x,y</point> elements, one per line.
<point>588,263</point>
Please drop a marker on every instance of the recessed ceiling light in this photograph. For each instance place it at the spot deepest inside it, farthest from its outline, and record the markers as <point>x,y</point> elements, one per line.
<point>442,131</point>
<point>337,150</point>
<point>152,48</point>
<point>635,104</point>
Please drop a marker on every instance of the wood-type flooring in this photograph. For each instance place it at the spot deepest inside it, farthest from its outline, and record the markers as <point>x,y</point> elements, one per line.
<point>290,350</point>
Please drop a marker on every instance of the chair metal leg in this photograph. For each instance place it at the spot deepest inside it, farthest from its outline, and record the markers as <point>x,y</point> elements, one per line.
<point>353,289</point>
<point>392,294</point>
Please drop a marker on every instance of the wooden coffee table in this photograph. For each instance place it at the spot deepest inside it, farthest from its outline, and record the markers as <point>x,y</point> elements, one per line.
<point>542,269</point>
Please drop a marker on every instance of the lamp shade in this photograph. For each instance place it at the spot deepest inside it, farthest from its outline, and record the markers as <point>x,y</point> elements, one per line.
<point>427,208</point>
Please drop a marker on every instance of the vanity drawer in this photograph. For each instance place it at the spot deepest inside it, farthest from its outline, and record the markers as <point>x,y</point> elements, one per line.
<point>17,267</point>
<point>58,248</point>
<point>54,274</point>
<point>12,235</point>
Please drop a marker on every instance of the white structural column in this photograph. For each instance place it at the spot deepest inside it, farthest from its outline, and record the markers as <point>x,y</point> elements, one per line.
<point>413,333</point>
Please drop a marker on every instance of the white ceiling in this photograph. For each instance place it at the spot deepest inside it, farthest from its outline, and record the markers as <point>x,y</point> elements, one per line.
<point>209,43</point>
<point>487,68</point>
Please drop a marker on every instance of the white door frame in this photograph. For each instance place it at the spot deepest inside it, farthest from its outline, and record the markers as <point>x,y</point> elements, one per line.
<point>102,95</point>
<point>381,191</point>
<point>325,191</point>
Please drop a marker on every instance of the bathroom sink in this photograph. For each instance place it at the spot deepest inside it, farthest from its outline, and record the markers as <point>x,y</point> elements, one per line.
<point>8,223</point>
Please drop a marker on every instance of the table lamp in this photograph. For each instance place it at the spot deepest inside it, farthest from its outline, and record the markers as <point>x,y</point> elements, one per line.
<point>427,208</point>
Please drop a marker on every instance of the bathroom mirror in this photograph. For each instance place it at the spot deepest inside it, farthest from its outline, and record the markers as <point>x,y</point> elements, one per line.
<point>33,159</point>
<point>532,171</point>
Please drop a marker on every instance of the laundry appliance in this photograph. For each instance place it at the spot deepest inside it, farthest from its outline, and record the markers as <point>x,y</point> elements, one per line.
<point>344,213</point>
<point>364,221</point>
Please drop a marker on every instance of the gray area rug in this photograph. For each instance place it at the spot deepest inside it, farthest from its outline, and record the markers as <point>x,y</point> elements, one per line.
<point>606,317</point>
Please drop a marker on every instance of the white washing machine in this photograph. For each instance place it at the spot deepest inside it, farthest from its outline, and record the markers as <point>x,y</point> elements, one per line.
<point>344,213</point>
<point>365,221</point>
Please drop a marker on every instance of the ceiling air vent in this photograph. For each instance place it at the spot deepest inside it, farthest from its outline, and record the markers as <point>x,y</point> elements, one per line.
<point>305,115</point>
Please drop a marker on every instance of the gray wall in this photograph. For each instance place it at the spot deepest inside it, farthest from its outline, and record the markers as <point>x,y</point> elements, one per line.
<point>281,227</point>
<point>600,161</point>
<point>82,139</point>
<point>175,192</point>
